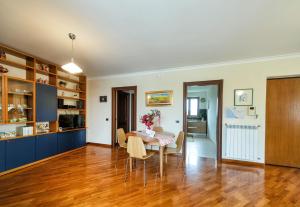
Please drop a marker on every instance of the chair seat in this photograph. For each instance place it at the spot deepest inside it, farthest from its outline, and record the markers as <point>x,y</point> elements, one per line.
<point>170,150</point>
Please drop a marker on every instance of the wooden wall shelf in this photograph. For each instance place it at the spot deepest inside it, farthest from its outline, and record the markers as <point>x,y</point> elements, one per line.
<point>71,98</point>
<point>33,66</point>
<point>70,90</point>
<point>44,72</point>
<point>15,64</point>
<point>67,79</point>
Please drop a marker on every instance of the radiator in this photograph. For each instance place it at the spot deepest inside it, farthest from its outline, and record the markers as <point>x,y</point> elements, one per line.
<point>241,142</point>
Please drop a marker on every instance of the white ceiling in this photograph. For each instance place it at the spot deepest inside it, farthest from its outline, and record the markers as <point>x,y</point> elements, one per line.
<point>122,36</point>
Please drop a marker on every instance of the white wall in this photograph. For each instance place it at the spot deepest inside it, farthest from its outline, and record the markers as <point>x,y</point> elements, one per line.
<point>242,75</point>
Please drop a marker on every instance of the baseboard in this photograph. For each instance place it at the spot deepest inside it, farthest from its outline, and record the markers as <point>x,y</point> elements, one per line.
<point>244,163</point>
<point>38,162</point>
<point>100,145</point>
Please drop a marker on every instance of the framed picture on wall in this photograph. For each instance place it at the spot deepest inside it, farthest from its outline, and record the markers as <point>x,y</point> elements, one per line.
<point>159,98</point>
<point>243,97</point>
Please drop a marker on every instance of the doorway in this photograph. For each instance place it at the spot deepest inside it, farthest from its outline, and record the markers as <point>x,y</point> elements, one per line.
<point>202,119</point>
<point>282,122</point>
<point>123,110</point>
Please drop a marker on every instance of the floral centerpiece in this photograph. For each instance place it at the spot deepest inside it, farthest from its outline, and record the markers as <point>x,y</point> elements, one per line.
<point>148,119</point>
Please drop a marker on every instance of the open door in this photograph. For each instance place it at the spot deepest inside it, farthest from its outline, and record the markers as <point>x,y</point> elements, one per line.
<point>123,110</point>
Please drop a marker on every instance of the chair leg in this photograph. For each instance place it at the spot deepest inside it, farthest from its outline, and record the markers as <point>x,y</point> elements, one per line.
<point>145,174</point>
<point>166,158</point>
<point>126,169</point>
<point>117,159</point>
<point>177,160</point>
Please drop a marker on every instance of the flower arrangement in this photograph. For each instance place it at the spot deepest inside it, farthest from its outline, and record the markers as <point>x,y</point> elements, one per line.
<point>148,119</point>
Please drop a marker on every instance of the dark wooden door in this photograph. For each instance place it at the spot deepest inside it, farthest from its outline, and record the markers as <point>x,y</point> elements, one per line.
<point>123,110</point>
<point>283,122</point>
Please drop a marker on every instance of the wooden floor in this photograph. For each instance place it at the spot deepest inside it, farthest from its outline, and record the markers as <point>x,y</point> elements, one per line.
<point>87,177</point>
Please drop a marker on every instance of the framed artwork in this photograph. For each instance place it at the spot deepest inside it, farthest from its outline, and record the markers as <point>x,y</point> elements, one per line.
<point>159,98</point>
<point>243,97</point>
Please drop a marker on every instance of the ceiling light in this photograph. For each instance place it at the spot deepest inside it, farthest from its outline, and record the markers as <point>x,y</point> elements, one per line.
<point>72,67</point>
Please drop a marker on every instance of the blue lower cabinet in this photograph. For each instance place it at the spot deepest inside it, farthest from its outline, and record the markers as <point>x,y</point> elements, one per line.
<point>19,152</point>
<point>80,138</point>
<point>46,146</point>
<point>2,155</point>
<point>71,140</point>
<point>65,141</point>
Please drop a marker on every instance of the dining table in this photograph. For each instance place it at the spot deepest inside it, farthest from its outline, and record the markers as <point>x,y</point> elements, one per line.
<point>160,139</point>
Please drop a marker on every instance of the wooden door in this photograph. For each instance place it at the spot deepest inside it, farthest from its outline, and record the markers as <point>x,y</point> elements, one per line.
<point>123,115</point>
<point>283,122</point>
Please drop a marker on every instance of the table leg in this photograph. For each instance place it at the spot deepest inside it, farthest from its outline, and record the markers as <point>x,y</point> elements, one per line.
<point>161,161</point>
<point>130,164</point>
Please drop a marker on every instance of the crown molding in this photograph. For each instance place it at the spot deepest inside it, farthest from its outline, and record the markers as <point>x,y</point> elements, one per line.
<point>202,66</point>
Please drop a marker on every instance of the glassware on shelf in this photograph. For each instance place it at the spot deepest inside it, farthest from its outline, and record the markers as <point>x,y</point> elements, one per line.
<point>20,101</point>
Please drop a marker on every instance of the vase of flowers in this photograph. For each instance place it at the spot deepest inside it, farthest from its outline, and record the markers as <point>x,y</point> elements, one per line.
<point>151,118</point>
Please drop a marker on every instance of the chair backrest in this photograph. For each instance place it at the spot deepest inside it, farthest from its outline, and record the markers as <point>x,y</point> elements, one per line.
<point>121,137</point>
<point>158,129</point>
<point>136,147</point>
<point>179,141</point>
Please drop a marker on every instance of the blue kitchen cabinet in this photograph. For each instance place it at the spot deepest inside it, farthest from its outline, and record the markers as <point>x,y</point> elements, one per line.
<point>65,141</point>
<point>46,146</point>
<point>46,103</point>
<point>80,138</point>
<point>2,155</point>
<point>19,152</point>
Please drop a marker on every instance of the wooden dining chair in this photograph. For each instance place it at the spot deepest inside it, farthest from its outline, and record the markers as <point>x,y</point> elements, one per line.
<point>178,150</point>
<point>121,137</point>
<point>136,149</point>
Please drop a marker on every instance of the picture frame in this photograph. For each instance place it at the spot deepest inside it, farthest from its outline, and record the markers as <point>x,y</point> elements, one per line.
<point>243,97</point>
<point>159,98</point>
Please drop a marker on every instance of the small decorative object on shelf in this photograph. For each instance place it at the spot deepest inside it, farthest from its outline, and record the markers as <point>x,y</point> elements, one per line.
<point>151,118</point>
<point>2,54</point>
<point>44,81</point>
<point>42,127</point>
<point>62,84</point>
<point>45,67</point>
<point>7,134</point>
<point>24,130</point>
<point>3,69</point>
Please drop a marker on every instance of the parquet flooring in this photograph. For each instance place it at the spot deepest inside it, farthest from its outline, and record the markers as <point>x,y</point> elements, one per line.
<point>87,177</point>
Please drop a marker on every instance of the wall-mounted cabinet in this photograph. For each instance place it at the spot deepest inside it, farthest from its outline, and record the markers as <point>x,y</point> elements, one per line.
<point>46,103</point>
<point>19,101</point>
<point>29,90</point>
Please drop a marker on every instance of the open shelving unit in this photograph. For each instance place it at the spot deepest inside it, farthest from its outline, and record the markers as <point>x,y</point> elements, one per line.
<point>18,90</point>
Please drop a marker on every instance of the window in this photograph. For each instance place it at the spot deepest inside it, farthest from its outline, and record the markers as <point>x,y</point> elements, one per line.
<point>192,106</point>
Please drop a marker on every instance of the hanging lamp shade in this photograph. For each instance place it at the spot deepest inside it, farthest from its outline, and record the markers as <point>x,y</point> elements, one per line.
<point>71,67</point>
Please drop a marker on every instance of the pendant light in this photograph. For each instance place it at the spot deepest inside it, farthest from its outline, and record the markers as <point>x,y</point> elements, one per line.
<point>72,67</point>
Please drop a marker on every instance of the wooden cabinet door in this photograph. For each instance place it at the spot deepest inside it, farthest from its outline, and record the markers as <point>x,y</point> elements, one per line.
<point>46,103</point>
<point>283,122</point>
<point>20,152</point>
